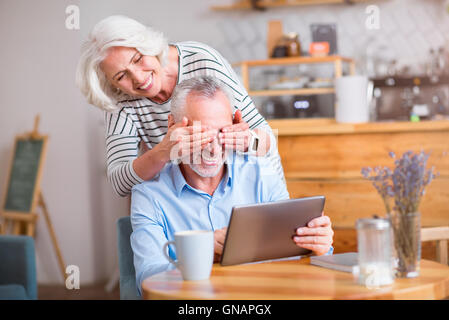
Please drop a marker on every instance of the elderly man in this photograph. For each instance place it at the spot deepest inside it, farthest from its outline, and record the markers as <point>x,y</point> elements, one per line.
<point>200,191</point>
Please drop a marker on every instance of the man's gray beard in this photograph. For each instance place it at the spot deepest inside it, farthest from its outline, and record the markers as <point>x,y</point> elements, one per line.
<point>196,166</point>
<point>196,169</point>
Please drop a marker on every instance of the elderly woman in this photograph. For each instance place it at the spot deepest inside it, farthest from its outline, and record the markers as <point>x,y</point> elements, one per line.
<point>129,70</point>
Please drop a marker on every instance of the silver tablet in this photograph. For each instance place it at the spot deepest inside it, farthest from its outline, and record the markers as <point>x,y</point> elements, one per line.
<point>264,231</point>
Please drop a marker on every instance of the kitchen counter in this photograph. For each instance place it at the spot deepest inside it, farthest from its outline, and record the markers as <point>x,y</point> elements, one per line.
<point>325,126</point>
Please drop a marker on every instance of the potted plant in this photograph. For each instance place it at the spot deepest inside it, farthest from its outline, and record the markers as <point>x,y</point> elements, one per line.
<point>401,190</point>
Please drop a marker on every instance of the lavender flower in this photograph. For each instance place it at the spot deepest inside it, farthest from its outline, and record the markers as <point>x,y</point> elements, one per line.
<point>405,185</point>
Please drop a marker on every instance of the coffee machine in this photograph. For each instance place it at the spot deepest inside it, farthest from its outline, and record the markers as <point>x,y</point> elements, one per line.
<point>396,98</point>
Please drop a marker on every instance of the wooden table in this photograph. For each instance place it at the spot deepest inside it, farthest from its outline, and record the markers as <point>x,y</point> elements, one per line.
<point>293,279</point>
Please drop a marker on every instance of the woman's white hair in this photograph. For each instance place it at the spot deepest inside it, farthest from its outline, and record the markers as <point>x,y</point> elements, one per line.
<point>203,86</point>
<point>114,31</point>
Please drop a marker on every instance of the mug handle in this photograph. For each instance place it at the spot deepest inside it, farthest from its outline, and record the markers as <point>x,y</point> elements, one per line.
<point>164,251</point>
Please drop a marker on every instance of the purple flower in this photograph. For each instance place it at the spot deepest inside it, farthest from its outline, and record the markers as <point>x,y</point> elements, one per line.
<point>405,185</point>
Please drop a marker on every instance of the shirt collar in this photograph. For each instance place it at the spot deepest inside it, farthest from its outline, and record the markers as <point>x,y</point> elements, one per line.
<point>229,172</point>
<point>180,182</point>
<point>178,179</point>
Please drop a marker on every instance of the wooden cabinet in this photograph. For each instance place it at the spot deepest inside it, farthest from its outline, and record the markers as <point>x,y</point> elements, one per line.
<point>322,157</point>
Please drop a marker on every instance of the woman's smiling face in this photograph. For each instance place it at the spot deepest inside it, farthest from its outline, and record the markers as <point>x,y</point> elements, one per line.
<point>132,72</point>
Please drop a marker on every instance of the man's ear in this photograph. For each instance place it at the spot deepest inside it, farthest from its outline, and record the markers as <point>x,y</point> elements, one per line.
<point>171,120</point>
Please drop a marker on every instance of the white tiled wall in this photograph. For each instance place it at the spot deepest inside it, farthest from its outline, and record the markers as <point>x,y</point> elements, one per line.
<point>408,28</point>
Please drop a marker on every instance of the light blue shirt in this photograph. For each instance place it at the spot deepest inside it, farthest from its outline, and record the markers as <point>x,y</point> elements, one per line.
<point>167,204</point>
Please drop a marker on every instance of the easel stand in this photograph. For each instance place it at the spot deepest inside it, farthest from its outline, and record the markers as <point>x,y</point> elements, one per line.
<point>21,223</point>
<point>24,222</point>
<point>52,235</point>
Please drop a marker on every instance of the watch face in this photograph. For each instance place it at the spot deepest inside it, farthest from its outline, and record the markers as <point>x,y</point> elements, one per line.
<point>255,144</point>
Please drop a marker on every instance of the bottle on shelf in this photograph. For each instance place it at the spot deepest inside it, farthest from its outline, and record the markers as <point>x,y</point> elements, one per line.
<point>293,45</point>
<point>431,64</point>
<point>441,61</point>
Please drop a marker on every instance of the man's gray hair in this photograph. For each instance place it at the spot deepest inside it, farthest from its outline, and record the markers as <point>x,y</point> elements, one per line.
<point>205,86</point>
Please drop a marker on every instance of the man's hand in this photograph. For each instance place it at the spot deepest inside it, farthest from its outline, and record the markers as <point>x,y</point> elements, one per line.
<point>219,239</point>
<point>317,236</point>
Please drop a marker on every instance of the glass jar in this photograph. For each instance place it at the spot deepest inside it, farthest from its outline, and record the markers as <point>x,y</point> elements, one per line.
<point>374,243</point>
<point>292,44</point>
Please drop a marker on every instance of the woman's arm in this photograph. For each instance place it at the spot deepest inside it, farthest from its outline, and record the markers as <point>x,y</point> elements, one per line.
<point>149,164</point>
<point>126,168</point>
<point>179,138</point>
<point>122,146</point>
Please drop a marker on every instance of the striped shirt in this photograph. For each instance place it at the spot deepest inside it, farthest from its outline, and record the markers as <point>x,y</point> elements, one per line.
<point>144,121</point>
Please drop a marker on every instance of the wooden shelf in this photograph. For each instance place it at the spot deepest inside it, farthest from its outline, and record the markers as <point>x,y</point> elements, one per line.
<point>295,60</point>
<point>337,62</point>
<point>327,126</point>
<point>244,5</point>
<point>302,92</point>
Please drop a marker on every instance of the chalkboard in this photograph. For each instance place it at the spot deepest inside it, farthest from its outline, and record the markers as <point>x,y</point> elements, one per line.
<point>24,175</point>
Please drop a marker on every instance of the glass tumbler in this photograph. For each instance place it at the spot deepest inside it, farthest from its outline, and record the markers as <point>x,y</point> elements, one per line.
<point>374,243</point>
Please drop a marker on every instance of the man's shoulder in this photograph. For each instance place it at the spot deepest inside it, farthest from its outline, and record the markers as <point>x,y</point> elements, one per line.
<point>160,183</point>
<point>250,162</point>
<point>252,166</point>
<point>260,173</point>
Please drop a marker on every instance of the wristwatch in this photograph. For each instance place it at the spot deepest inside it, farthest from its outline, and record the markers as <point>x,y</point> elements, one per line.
<point>253,144</point>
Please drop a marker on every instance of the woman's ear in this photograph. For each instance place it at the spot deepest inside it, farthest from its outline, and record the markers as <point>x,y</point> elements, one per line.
<point>171,120</point>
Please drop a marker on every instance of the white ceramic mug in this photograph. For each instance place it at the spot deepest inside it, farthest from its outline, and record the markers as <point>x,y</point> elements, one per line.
<point>195,253</point>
